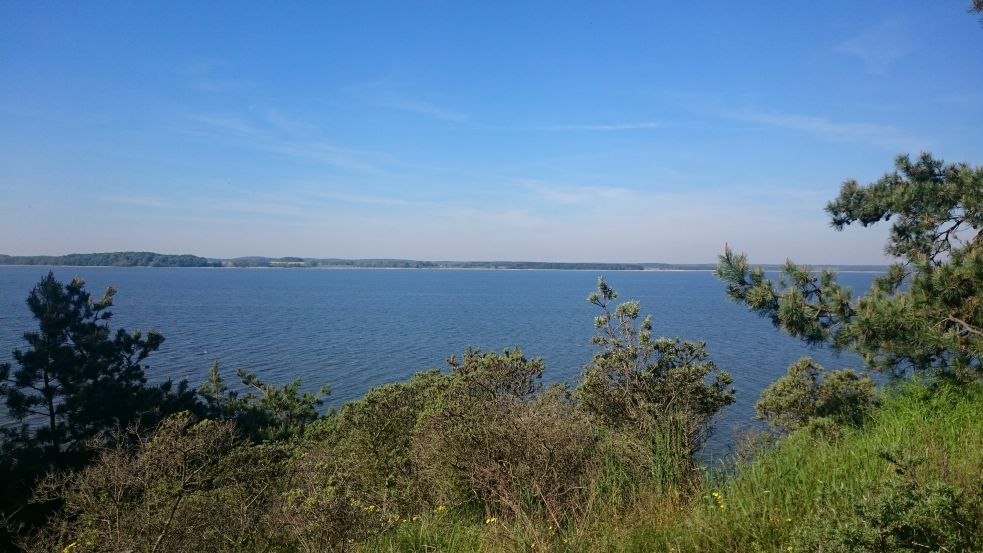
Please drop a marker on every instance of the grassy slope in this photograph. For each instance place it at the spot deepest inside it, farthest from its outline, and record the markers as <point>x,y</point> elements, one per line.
<point>758,507</point>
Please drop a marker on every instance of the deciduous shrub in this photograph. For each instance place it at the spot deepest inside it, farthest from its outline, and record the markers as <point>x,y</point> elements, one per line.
<point>372,441</point>
<point>504,444</point>
<point>192,486</point>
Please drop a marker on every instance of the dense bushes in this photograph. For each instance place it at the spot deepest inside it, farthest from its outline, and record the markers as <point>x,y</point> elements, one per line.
<point>909,476</point>
<point>191,486</point>
<point>484,441</point>
<point>903,515</point>
<point>502,443</point>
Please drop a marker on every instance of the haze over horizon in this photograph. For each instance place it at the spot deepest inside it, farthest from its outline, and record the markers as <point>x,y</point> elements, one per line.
<point>437,131</point>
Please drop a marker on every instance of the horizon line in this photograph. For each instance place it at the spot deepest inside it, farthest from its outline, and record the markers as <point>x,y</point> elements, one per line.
<point>407,259</point>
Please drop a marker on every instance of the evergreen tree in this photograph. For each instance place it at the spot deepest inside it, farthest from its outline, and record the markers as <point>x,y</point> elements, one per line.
<point>78,378</point>
<point>75,380</point>
<point>265,412</point>
<point>657,387</point>
<point>926,312</point>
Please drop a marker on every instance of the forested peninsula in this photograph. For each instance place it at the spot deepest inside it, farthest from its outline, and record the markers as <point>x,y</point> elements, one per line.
<point>110,259</point>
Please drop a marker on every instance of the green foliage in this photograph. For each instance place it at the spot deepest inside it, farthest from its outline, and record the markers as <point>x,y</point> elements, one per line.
<point>787,494</point>
<point>76,380</point>
<point>76,374</point>
<point>488,441</point>
<point>498,437</point>
<point>808,392</point>
<point>265,412</point>
<point>484,438</point>
<point>355,473</point>
<point>652,387</point>
<point>372,443</point>
<point>902,515</point>
<point>192,486</point>
<point>783,498</point>
<point>925,313</point>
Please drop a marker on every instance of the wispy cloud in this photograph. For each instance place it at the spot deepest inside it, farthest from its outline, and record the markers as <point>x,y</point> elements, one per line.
<point>231,202</point>
<point>497,218</point>
<point>882,135</point>
<point>607,127</point>
<point>880,46</point>
<point>963,99</point>
<point>363,199</point>
<point>423,108</point>
<point>574,195</point>
<point>250,206</point>
<point>211,75</point>
<point>140,201</point>
<point>278,134</point>
<point>391,94</point>
<point>227,124</point>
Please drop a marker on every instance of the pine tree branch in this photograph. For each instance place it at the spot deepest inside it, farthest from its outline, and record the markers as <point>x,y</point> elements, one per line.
<point>966,326</point>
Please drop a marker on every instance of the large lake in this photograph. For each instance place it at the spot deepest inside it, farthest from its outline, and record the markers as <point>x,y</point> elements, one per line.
<point>358,328</point>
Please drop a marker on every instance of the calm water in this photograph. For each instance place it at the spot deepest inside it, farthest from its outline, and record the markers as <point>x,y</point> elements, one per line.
<point>355,328</point>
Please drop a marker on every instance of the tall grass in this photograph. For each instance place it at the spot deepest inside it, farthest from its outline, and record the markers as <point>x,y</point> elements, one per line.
<point>758,506</point>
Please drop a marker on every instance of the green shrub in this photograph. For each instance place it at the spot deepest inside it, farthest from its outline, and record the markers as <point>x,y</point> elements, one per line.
<point>808,392</point>
<point>503,444</point>
<point>192,486</point>
<point>664,391</point>
<point>902,515</point>
<point>372,440</point>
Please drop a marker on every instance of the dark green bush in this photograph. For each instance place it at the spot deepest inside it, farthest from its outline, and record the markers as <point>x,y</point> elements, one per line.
<point>808,392</point>
<point>265,412</point>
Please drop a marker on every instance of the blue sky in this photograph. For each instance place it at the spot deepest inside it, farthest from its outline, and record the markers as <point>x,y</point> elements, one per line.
<point>650,131</point>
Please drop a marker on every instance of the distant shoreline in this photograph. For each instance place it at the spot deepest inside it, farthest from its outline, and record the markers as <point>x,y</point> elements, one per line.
<point>341,268</point>
<point>152,259</point>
